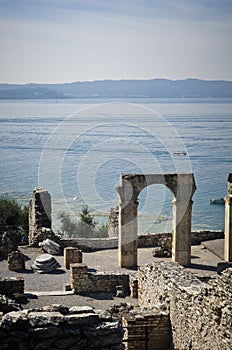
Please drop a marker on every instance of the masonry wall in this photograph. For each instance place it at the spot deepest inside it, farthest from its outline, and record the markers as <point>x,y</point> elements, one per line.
<point>147,330</point>
<point>11,285</point>
<point>57,327</point>
<point>200,313</point>
<point>84,282</point>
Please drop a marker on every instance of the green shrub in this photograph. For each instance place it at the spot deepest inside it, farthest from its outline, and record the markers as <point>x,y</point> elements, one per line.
<point>13,217</point>
<point>86,227</point>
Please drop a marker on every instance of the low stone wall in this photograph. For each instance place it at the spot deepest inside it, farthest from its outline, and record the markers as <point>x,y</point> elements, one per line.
<point>11,285</point>
<point>57,327</point>
<point>90,244</point>
<point>200,313</point>
<point>150,240</point>
<point>84,282</point>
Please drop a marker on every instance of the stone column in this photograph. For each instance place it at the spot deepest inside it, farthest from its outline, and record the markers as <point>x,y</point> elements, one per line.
<point>228,222</point>
<point>127,245</point>
<point>181,235</point>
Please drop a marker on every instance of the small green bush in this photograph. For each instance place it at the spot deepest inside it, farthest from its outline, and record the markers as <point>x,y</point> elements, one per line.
<point>86,227</point>
<point>13,217</point>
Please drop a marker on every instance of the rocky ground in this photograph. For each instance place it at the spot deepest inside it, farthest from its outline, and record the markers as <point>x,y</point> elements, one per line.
<point>46,289</point>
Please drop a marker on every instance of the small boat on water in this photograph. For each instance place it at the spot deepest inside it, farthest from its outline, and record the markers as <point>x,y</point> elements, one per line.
<point>217,201</point>
<point>180,153</point>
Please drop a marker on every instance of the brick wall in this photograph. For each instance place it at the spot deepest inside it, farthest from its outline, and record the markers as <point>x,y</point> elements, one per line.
<point>147,329</point>
<point>200,313</point>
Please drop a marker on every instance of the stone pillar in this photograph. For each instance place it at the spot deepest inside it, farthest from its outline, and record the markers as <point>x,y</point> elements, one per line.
<point>182,219</point>
<point>39,212</point>
<point>72,255</point>
<point>127,244</point>
<point>228,222</point>
<point>181,233</point>
<point>79,278</point>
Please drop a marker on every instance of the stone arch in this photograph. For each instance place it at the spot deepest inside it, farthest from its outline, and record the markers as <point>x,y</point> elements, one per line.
<point>182,187</point>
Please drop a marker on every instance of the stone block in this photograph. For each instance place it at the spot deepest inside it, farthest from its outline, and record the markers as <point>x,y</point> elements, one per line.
<point>16,261</point>
<point>72,255</point>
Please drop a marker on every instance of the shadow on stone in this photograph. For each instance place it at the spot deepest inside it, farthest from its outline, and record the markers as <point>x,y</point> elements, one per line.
<point>203,267</point>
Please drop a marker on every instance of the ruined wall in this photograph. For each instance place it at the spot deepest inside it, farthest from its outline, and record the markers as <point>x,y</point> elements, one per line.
<point>150,240</point>
<point>113,222</point>
<point>200,313</point>
<point>11,285</point>
<point>57,327</point>
<point>84,282</point>
<point>147,329</point>
<point>39,212</point>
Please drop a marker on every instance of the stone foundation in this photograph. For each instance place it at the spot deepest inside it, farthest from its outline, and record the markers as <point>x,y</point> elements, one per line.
<point>148,329</point>
<point>57,327</point>
<point>83,281</point>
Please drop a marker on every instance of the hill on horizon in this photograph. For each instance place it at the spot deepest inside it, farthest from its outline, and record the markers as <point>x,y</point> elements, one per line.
<point>153,88</point>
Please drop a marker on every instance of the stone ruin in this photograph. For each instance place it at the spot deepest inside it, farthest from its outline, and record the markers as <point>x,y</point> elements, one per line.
<point>45,263</point>
<point>16,261</point>
<point>228,222</point>
<point>182,187</point>
<point>113,222</point>
<point>40,211</point>
<point>7,244</point>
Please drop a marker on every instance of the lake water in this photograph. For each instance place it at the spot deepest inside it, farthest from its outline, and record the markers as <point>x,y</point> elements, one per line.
<point>77,149</point>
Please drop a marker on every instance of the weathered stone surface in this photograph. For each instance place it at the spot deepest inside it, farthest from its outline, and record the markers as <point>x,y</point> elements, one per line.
<point>113,222</point>
<point>16,261</point>
<point>7,244</point>
<point>45,263</point>
<point>72,255</point>
<point>200,313</point>
<point>84,282</point>
<point>11,285</point>
<point>43,234</point>
<point>80,319</point>
<point>39,212</point>
<point>80,309</point>
<point>8,305</point>
<point>40,329</point>
<point>50,246</point>
<point>182,187</point>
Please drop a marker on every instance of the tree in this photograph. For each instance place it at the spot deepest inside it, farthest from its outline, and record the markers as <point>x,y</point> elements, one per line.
<point>13,217</point>
<point>68,227</point>
<point>86,227</point>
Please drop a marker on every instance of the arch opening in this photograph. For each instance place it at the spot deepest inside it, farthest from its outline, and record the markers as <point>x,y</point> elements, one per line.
<point>182,187</point>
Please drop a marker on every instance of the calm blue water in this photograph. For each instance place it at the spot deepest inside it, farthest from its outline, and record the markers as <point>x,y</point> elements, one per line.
<point>77,149</point>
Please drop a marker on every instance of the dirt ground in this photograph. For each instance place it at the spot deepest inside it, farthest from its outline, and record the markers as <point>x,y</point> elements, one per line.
<point>46,289</point>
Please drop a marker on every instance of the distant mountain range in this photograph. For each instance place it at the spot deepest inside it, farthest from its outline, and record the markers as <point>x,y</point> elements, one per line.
<point>155,88</point>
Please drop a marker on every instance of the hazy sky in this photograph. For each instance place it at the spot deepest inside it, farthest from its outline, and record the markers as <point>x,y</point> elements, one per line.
<point>78,40</point>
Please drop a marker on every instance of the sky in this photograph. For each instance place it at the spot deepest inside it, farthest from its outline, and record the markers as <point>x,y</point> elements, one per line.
<point>56,41</point>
